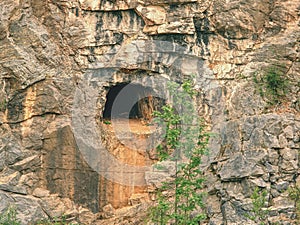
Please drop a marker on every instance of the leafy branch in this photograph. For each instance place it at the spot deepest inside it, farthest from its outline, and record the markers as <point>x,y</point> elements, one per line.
<point>259,211</point>
<point>294,194</point>
<point>185,144</point>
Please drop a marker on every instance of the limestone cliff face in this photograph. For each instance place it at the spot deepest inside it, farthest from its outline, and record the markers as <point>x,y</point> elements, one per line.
<point>58,60</point>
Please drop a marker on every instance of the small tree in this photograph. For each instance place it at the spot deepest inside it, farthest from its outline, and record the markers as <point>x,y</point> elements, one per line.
<point>259,211</point>
<point>185,143</point>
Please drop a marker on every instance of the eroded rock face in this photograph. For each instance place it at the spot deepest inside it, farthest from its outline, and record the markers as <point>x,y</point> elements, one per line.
<point>58,60</point>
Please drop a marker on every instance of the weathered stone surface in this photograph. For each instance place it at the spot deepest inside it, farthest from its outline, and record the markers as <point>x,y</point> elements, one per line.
<point>9,182</point>
<point>234,212</point>
<point>238,167</point>
<point>108,211</point>
<point>106,5</point>
<point>240,19</point>
<point>128,215</point>
<point>153,14</point>
<point>39,192</point>
<point>27,163</point>
<point>55,206</point>
<point>282,203</point>
<point>28,208</point>
<point>49,51</point>
<point>161,172</point>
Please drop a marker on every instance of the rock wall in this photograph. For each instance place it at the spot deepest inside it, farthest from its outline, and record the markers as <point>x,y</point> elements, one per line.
<point>58,59</point>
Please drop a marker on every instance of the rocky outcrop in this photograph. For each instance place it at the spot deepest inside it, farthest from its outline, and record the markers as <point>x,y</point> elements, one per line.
<point>58,60</point>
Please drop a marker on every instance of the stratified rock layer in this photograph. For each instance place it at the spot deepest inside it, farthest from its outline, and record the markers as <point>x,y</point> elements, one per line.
<point>58,59</point>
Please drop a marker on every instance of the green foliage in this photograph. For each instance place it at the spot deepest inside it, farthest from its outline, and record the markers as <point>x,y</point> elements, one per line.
<point>159,214</point>
<point>185,144</point>
<point>259,212</point>
<point>62,220</point>
<point>107,122</point>
<point>294,194</point>
<point>272,85</point>
<point>9,217</point>
<point>55,221</point>
<point>3,105</point>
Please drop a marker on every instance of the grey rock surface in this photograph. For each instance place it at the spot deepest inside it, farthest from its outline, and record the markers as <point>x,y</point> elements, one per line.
<point>58,60</point>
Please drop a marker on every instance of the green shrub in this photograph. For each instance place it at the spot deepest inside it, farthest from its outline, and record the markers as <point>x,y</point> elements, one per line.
<point>107,122</point>
<point>294,194</point>
<point>3,105</point>
<point>259,211</point>
<point>9,217</point>
<point>55,221</point>
<point>272,85</point>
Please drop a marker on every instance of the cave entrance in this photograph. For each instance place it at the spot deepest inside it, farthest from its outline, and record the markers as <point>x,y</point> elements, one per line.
<point>132,101</point>
<point>129,137</point>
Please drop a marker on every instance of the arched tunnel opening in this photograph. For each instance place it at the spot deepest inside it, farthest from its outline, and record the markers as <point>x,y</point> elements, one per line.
<point>130,137</point>
<point>132,101</point>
